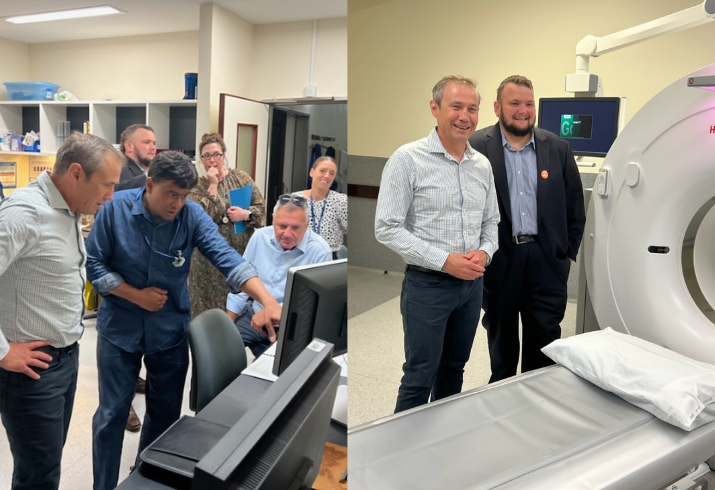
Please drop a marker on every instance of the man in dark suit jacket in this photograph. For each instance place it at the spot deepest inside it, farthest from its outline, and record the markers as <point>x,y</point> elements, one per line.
<point>542,219</point>
<point>138,144</point>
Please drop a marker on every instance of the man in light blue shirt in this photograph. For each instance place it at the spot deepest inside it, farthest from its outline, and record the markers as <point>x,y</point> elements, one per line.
<point>273,250</point>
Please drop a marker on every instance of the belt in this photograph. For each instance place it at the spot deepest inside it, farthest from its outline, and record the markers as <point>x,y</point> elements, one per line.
<point>426,271</point>
<point>57,350</point>
<point>519,239</point>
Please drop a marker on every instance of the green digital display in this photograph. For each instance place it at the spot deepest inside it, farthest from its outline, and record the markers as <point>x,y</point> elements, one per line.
<point>576,126</point>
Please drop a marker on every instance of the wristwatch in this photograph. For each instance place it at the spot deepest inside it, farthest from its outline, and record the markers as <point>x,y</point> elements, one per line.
<point>225,219</point>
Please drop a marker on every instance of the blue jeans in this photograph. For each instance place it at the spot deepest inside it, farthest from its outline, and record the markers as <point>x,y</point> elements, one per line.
<point>257,342</point>
<point>439,319</point>
<point>118,370</point>
<point>36,415</point>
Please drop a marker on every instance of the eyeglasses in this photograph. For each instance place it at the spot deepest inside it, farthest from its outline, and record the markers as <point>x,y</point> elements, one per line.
<point>297,200</point>
<point>209,156</point>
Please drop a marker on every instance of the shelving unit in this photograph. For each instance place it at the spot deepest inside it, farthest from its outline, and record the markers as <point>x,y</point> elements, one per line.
<point>174,124</point>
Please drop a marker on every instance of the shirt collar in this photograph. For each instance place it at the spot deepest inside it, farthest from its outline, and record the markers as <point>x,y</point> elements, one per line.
<point>434,145</point>
<point>139,209</point>
<point>302,246</point>
<point>54,197</point>
<point>504,142</point>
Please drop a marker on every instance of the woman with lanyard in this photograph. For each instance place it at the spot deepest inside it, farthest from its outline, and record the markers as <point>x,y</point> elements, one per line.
<point>207,287</point>
<point>328,209</point>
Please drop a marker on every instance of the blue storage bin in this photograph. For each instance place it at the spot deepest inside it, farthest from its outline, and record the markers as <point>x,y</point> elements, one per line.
<point>30,90</point>
<point>35,147</point>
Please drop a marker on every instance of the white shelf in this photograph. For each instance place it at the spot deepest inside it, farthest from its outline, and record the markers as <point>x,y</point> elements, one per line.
<point>28,153</point>
<point>102,117</point>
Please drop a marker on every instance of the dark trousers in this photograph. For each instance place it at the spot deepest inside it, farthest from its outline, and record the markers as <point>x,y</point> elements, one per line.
<point>530,288</point>
<point>36,415</point>
<point>257,342</point>
<point>117,370</point>
<point>439,319</point>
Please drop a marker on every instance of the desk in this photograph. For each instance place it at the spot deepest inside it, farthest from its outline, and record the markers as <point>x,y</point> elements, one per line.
<point>226,409</point>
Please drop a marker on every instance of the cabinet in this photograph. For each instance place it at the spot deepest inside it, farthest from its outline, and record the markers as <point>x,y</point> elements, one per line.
<point>174,124</point>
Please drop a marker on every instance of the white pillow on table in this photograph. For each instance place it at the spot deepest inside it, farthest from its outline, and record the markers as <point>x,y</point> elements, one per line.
<point>674,388</point>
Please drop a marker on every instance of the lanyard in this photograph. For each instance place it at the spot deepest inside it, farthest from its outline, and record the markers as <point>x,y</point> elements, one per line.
<point>313,226</point>
<point>177,258</point>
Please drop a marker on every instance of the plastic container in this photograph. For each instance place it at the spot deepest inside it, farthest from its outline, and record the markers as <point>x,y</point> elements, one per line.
<point>30,90</point>
<point>190,83</point>
<point>35,147</point>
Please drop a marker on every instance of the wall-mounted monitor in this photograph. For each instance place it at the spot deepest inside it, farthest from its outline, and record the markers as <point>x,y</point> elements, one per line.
<point>589,124</point>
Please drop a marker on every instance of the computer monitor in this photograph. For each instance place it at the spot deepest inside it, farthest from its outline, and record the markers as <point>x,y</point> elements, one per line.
<point>314,305</point>
<point>590,124</point>
<point>279,442</point>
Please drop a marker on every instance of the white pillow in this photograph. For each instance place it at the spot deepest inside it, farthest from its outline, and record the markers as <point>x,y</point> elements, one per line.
<point>672,387</point>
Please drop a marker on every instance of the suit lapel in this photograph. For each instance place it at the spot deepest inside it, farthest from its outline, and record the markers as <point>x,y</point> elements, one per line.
<point>542,165</point>
<point>495,153</point>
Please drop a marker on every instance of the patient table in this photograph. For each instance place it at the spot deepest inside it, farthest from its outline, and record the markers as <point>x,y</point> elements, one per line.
<point>547,429</point>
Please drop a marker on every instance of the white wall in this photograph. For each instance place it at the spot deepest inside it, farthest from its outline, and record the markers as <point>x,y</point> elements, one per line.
<point>399,49</point>
<point>147,67</point>
<point>228,41</point>
<point>15,66</point>
<point>282,53</point>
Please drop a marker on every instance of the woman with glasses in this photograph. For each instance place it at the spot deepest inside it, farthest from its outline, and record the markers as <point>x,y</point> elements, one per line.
<point>328,209</point>
<point>207,287</point>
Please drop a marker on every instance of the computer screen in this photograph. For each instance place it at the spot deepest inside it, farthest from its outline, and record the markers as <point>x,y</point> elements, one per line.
<point>589,124</point>
<point>279,442</point>
<point>314,305</point>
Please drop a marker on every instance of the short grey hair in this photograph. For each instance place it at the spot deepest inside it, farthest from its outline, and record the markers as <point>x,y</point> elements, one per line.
<point>289,206</point>
<point>438,90</point>
<point>86,149</point>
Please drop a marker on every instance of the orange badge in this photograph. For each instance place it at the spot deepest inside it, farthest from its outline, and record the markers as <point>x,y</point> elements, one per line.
<point>544,174</point>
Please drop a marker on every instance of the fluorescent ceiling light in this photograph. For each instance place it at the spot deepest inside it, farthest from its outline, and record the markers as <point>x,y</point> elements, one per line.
<point>64,14</point>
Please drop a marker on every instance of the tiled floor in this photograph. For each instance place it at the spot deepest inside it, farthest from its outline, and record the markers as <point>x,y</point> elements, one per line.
<point>376,350</point>
<point>77,457</point>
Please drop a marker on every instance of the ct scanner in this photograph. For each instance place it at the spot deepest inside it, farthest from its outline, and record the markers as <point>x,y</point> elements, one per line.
<point>649,251</point>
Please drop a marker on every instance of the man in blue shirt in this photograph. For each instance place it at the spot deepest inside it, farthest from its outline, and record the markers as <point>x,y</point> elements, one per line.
<point>273,250</point>
<point>139,254</point>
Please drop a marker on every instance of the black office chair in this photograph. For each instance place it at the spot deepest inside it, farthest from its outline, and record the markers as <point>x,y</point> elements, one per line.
<point>217,353</point>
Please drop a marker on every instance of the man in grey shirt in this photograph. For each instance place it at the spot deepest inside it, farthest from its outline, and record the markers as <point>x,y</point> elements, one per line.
<point>42,278</point>
<point>437,208</point>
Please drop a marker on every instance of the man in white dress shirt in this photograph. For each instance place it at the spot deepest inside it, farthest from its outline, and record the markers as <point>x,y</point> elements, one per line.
<point>437,208</point>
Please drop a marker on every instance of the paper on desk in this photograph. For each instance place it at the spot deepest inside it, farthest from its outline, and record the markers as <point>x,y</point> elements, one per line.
<point>342,361</point>
<point>241,198</point>
<point>262,367</point>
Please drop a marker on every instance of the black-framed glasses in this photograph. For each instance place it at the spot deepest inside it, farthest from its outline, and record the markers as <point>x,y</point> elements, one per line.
<point>297,200</point>
<point>209,156</point>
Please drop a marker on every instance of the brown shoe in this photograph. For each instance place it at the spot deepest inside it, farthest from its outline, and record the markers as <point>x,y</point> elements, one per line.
<point>133,422</point>
<point>140,386</point>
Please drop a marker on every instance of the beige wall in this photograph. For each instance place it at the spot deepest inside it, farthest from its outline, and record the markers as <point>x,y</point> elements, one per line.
<point>400,48</point>
<point>147,67</point>
<point>15,66</point>
<point>281,67</point>
<point>226,46</point>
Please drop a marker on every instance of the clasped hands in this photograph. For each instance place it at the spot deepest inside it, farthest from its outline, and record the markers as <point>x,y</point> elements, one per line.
<point>467,266</point>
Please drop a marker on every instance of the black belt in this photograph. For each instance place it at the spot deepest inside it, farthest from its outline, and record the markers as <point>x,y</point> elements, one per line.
<point>57,350</point>
<point>426,271</point>
<point>519,239</point>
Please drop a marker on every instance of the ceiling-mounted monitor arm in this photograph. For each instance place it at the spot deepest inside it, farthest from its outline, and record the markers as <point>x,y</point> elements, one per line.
<point>582,83</point>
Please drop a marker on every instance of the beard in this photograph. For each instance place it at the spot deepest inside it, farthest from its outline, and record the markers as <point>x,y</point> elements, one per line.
<point>143,160</point>
<point>513,130</point>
